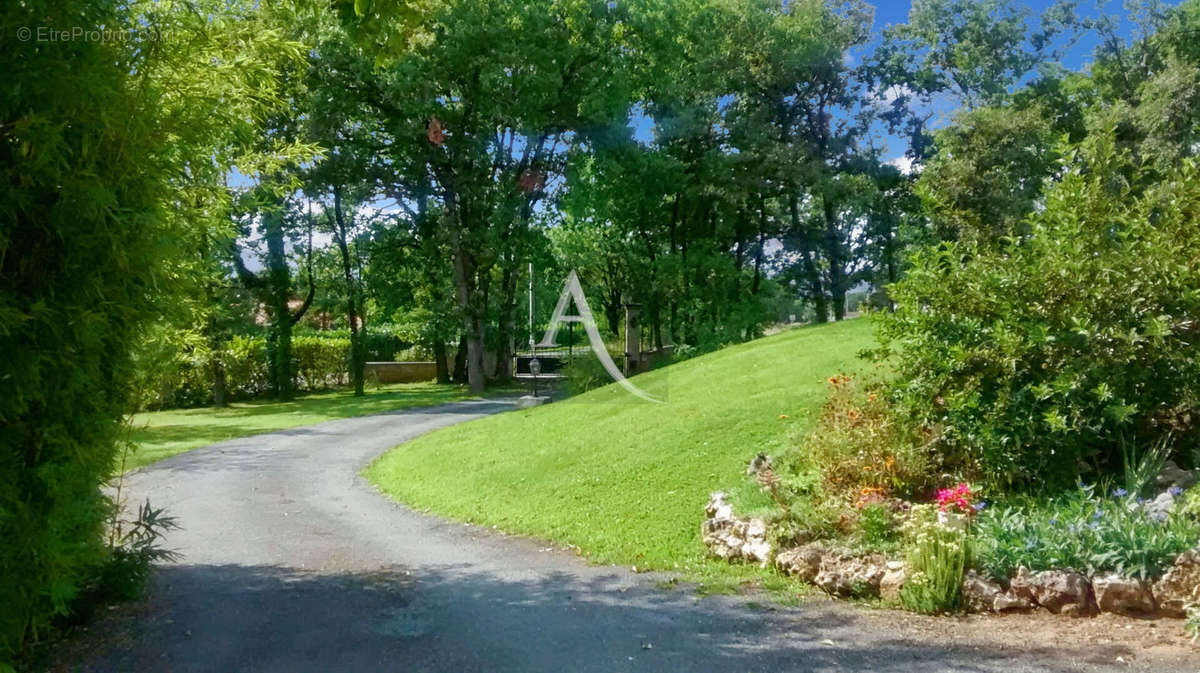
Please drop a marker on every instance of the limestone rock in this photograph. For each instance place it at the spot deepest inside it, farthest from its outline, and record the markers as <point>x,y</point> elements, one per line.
<point>851,576</point>
<point>1180,585</point>
<point>1172,475</point>
<point>1021,586</point>
<point>1122,595</point>
<point>1008,600</point>
<point>733,538</point>
<point>1063,592</point>
<point>759,464</point>
<point>892,582</point>
<point>979,593</point>
<point>1160,507</point>
<point>803,562</point>
<point>717,507</point>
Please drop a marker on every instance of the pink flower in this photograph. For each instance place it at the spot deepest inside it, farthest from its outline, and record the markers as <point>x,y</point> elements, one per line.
<point>959,496</point>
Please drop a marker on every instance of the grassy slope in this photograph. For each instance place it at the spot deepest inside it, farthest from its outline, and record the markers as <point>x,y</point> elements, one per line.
<point>161,434</point>
<point>625,480</point>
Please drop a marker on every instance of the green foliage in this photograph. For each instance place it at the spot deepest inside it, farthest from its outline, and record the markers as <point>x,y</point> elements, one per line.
<point>859,448</point>
<point>937,556</point>
<point>1189,504</point>
<point>79,245</point>
<point>585,372</point>
<point>1027,359</point>
<point>318,362</point>
<point>988,171</point>
<point>134,545</point>
<point>1083,530</point>
<point>877,529</point>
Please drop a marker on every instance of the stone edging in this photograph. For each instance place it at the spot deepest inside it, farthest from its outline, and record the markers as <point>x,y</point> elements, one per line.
<point>734,538</point>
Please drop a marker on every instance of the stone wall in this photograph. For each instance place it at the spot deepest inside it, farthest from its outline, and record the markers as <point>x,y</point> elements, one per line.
<point>400,372</point>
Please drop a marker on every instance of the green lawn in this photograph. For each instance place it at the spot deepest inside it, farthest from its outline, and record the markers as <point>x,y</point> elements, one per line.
<point>160,434</point>
<point>625,480</point>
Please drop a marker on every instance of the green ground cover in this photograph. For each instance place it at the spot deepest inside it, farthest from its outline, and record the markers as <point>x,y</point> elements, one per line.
<point>161,434</point>
<point>623,480</point>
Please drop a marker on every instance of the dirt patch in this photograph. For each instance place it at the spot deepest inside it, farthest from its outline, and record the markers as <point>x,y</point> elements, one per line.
<point>1143,644</point>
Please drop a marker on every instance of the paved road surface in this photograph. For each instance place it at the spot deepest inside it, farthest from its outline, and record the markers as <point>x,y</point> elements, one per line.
<point>293,562</point>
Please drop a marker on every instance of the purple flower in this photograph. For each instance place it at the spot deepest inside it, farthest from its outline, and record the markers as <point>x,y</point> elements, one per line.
<point>1175,491</point>
<point>1053,521</point>
<point>1120,493</point>
<point>980,505</point>
<point>1095,525</point>
<point>1159,516</point>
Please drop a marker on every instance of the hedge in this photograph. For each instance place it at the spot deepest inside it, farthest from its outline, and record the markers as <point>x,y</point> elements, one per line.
<point>320,363</point>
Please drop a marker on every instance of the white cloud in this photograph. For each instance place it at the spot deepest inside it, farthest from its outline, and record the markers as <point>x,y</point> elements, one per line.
<point>894,92</point>
<point>904,163</point>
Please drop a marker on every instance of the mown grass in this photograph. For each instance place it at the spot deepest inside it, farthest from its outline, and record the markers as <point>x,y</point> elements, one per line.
<point>625,481</point>
<point>161,434</point>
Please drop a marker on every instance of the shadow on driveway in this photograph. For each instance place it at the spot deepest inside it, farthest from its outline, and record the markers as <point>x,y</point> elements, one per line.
<point>262,618</point>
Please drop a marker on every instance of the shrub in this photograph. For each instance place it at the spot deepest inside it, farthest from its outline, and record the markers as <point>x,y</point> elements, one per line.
<point>858,444</point>
<point>320,362</point>
<point>1032,356</point>
<point>133,546</point>
<point>81,235</point>
<point>1189,504</point>
<point>877,527</point>
<point>937,556</point>
<point>1084,531</point>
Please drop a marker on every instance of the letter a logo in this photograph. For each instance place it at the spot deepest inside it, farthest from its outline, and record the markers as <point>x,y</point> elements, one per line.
<point>572,290</point>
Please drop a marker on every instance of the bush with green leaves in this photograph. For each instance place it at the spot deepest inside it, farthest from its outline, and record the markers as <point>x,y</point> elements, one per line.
<point>80,237</point>
<point>1083,530</point>
<point>877,528</point>
<point>318,360</point>
<point>1029,358</point>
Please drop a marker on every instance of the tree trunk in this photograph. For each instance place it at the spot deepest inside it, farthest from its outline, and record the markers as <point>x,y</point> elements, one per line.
<point>813,276</point>
<point>219,386</point>
<point>279,282</point>
<point>466,280</point>
<point>760,252</point>
<point>508,301</point>
<point>357,357</point>
<point>439,355</point>
<point>833,253</point>
<point>460,361</point>
<point>612,313</point>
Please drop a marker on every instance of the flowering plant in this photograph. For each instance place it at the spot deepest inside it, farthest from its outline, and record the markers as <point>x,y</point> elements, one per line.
<point>956,499</point>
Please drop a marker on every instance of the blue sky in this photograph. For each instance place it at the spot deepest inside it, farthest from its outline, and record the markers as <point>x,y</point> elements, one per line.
<point>892,12</point>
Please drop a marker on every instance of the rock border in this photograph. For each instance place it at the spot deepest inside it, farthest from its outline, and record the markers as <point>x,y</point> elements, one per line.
<point>1062,592</point>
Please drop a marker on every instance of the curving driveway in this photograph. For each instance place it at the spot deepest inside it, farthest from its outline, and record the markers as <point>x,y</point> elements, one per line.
<point>293,562</point>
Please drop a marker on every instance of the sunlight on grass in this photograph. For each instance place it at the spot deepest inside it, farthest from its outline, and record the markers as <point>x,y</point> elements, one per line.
<point>624,480</point>
<point>161,434</point>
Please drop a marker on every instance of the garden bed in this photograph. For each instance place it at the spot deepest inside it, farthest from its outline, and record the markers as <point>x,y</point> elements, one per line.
<point>1078,555</point>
